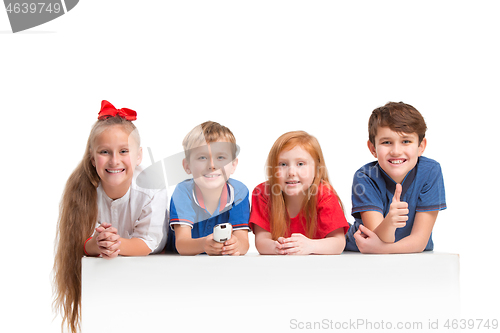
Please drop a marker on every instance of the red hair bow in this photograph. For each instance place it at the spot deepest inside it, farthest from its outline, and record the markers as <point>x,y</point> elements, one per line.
<point>108,110</point>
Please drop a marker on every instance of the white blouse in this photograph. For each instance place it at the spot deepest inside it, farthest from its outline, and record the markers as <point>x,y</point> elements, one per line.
<point>140,213</point>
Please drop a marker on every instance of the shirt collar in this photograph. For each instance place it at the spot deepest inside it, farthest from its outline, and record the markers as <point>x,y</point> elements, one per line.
<point>407,181</point>
<point>110,201</point>
<point>226,198</point>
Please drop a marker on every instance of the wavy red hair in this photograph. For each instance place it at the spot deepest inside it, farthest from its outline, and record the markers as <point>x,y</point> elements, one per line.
<point>279,219</point>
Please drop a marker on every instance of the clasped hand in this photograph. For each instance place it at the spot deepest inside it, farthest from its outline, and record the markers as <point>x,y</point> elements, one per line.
<point>295,244</point>
<point>108,241</point>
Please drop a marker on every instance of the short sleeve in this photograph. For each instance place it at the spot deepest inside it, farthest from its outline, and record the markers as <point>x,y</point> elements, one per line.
<point>259,215</point>
<point>366,195</point>
<point>150,225</point>
<point>240,213</point>
<point>432,194</point>
<point>330,215</point>
<point>181,210</point>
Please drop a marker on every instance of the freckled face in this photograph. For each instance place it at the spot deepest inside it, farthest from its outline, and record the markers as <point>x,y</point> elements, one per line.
<point>397,153</point>
<point>295,171</point>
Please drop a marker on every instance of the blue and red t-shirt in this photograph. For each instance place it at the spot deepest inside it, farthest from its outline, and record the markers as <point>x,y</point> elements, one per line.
<point>187,207</point>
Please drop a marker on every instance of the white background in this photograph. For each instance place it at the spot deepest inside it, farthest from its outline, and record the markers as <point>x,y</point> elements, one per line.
<point>262,68</point>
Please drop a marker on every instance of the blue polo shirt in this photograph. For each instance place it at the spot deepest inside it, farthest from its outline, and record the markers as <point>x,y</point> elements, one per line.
<point>373,190</point>
<point>187,207</point>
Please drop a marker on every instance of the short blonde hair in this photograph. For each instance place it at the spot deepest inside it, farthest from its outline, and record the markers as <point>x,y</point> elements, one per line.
<point>206,133</point>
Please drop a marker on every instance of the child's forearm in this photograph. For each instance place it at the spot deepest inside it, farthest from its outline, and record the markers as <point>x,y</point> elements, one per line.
<point>329,245</point>
<point>243,248</point>
<point>381,226</point>
<point>243,244</point>
<point>385,232</point>
<point>128,247</point>
<point>299,244</point>
<point>406,245</point>
<point>265,245</point>
<point>91,247</point>
<point>190,246</point>
<point>417,241</point>
<point>133,247</point>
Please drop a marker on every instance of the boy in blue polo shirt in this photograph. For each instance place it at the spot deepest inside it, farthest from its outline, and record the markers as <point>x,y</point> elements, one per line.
<point>396,199</point>
<point>210,197</point>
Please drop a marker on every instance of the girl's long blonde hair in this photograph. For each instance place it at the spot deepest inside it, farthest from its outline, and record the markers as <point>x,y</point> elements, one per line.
<point>77,219</point>
<point>279,219</point>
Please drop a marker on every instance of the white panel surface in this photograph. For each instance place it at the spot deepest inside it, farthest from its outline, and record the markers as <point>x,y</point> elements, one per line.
<point>269,293</point>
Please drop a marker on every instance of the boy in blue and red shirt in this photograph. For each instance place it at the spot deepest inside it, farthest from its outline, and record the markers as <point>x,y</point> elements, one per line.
<point>396,199</point>
<point>210,197</point>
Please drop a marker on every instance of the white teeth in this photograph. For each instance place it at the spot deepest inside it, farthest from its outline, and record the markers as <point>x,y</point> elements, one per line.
<point>211,176</point>
<point>397,161</point>
<point>114,171</point>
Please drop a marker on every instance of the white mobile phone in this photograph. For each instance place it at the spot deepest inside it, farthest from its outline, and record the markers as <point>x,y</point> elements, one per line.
<point>222,232</point>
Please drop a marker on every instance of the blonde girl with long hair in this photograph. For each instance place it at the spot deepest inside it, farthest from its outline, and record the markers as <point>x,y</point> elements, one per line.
<point>297,211</point>
<point>103,212</point>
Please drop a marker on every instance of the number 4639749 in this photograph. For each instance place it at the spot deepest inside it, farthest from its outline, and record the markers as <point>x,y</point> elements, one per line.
<point>33,7</point>
<point>471,324</point>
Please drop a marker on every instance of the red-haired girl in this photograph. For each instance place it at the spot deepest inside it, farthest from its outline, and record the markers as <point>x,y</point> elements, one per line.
<point>297,211</point>
<point>103,212</point>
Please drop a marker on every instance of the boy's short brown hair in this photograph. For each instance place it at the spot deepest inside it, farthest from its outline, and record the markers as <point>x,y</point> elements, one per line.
<point>399,117</point>
<point>208,132</point>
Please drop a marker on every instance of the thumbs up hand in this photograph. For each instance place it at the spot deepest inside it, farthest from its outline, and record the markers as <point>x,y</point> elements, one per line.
<point>398,211</point>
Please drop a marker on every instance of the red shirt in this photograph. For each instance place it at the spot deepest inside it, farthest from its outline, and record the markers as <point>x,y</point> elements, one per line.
<point>330,215</point>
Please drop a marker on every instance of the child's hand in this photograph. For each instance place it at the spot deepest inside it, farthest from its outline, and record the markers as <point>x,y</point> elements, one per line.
<point>108,241</point>
<point>211,247</point>
<point>279,249</point>
<point>231,246</point>
<point>398,211</point>
<point>368,241</point>
<point>297,244</point>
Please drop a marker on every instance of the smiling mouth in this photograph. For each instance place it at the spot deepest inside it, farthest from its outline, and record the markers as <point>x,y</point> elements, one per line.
<point>211,176</point>
<point>295,182</point>
<point>114,170</point>
<point>396,162</point>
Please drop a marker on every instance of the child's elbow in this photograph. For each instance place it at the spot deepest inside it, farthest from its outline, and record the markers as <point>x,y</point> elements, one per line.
<point>244,248</point>
<point>415,247</point>
<point>334,243</point>
<point>186,253</point>
<point>420,244</point>
<point>339,246</point>
<point>342,245</point>
<point>183,249</point>
<point>420,248</point>
<point>264,246</point>
<point>261,248</point>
